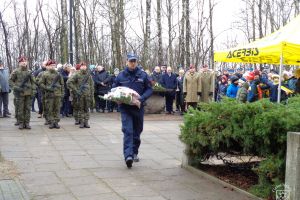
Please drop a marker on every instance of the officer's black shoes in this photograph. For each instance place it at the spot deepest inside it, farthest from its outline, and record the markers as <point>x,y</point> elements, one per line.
<point>56,125</point>
<point>17,124</point>
<point>136,158</point>
<point>81,125</point>
<point>21,126</point>
<point>27,126</point>
<point>86,124</point>
<point>77,122</point>
<point>129,162</point>
<point>52,125</point>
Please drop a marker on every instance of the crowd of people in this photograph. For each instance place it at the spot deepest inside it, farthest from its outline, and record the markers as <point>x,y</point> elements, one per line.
<point>253,85</point>
<point>66,90</point>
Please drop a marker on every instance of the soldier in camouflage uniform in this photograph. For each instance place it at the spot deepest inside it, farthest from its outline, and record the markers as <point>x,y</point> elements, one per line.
<point>16,105</point>
<point>74,102</point>
<point>23,86</point>
<point>43,99</point>
<point>53,85</point>
<point>81,84</point>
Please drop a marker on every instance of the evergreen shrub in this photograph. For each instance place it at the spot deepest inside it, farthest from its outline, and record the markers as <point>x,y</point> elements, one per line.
<point>254,129</point>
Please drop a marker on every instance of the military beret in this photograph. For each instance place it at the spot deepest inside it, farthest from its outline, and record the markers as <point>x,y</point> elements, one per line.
<point>50,62</point>
<point>22,59</point>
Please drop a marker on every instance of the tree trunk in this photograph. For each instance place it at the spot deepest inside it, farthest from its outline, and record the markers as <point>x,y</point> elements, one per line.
<point>122,34</point>
<point>118,33</point>
<point>296,2</point>
<point>182,44</point>
<point>64,33</point>
<point>115,35</point>
<point>46,25</point>
<point>27,36</point>
<point>147,32</point>
<point>253,19</point>
<point>159,33</point>
<point>188,33</point>
<point>78,32</point>
<point>7,51</point>
<point>170,14</point>
<point>211,58</point>
<point>260,23</point>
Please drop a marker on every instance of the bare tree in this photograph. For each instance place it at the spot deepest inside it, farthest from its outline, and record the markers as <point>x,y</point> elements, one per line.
<point>181,37</point>
<point>188,33</point>
<point>64,33</point>
<point>147,33</point>
<point>170,29</point>
<point>159,33</point>
<point>211,8</point>
<point>7,50</point>
<point>78,32</point>
<point>260,23</point>
<point>296,3</point>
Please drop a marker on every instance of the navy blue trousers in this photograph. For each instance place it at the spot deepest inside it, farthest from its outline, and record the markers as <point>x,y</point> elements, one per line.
<point>132,127</point>
<point>169,101</point>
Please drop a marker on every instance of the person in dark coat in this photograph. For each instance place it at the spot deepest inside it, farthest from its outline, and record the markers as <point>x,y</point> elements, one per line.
<point>253,93</point>
<point>222,87</point>
<point>156,75</point>
<point>180,106</point>
<point>297,83</point>
<point>4,90</point>
<point>111,104</point>
<point>39,93</point>
<point>274,90</point>
<point>101,80</point>
<point>66,103</point>
<point>169,82</point>
<point>132,117</point>
<point>35,95</point>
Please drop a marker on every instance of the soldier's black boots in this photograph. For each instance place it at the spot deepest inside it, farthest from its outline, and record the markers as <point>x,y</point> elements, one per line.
<point>17,123</point>
<point>56,125</point>
<point>27,126</point>
<point>77,122</point>
<point>86,124</point>
<point>52,125</point>
<point>81,125</point>
<point>21,126</point>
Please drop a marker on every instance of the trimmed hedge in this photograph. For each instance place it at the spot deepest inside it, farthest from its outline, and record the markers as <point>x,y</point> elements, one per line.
<point>258,129</point>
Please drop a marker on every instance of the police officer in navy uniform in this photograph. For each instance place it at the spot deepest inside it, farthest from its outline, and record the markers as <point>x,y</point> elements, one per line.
<point>132,116</point>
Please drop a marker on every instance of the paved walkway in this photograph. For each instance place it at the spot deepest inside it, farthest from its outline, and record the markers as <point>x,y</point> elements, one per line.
<point>87,164</point>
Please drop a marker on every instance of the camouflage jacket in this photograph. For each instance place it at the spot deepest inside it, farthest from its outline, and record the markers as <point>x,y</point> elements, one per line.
<point>22,82</point>
<point>49,85</point>
<point>81,83</point>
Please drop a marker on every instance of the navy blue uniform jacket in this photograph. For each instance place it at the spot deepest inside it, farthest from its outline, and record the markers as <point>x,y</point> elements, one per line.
<point>137,80</point>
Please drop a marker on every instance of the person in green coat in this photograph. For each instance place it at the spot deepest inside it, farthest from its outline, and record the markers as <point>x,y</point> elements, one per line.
<point>242,93</point>
<point>53,85</point>
<point>23,85</point>
<point>82,86</point>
